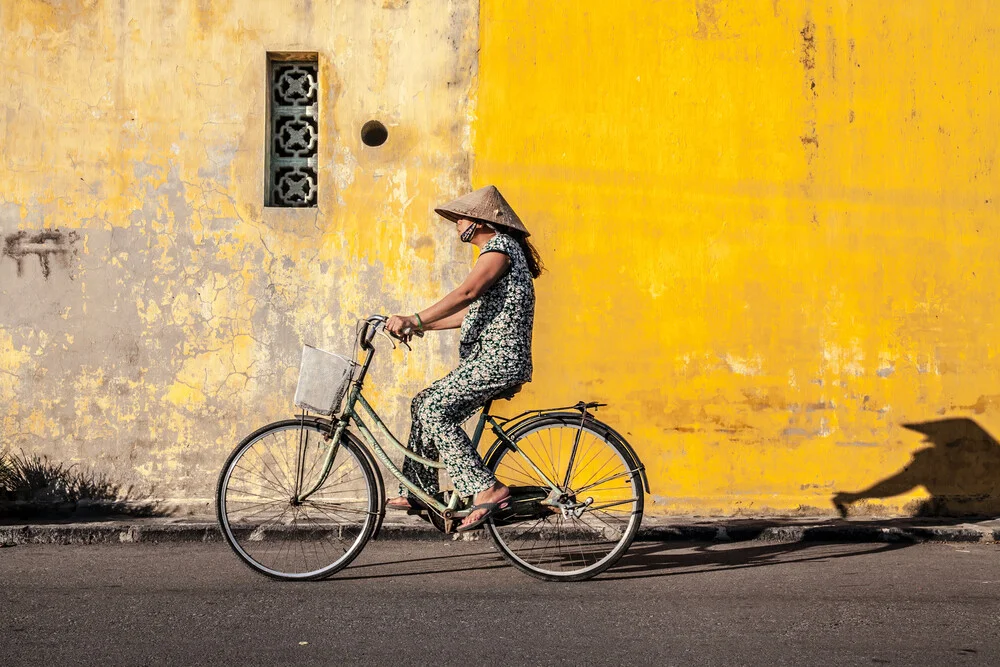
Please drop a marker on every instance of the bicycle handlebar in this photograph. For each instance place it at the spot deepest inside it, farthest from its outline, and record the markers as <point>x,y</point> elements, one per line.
<point>370,328</point>
<point>375,324</point>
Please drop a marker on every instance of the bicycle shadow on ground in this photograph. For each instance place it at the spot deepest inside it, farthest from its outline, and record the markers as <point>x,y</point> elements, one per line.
<point>645,560</point>
<point>485,558</point>
<point>960,469</point>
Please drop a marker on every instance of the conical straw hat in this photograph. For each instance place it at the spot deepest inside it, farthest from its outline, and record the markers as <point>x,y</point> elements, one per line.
<point>484,204</point>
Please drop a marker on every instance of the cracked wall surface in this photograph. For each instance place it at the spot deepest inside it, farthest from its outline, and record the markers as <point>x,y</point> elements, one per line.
<point>152,310</point>
<point>770,229</point>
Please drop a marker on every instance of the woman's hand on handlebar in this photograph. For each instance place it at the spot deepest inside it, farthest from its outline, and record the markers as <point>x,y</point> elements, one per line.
<point>402,327</point>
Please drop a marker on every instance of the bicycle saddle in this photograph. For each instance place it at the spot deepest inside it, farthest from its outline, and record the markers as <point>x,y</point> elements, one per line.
<point>509,393</point>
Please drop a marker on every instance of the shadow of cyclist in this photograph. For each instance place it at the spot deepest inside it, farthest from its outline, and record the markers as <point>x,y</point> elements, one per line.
<point>961,471</point>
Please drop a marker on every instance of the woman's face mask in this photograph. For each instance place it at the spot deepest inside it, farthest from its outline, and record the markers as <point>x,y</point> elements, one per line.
<point>469,232</point>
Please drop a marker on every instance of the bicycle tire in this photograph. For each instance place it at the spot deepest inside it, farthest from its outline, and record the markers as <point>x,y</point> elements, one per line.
<point>548,544</point>
<point>267,531</point>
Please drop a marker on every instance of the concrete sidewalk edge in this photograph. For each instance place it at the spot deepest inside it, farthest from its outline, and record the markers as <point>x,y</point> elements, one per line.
<point>658,530</point>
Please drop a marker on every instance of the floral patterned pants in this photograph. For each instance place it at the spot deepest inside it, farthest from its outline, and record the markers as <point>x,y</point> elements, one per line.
<point>438,413</point>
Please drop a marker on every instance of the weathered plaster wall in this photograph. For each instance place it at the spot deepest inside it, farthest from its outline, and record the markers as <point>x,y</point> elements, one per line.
<point>771,229</point>
<point>163,320</point>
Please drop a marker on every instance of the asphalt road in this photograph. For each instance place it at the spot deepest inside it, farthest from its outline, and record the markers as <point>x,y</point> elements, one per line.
<point>409,603</point>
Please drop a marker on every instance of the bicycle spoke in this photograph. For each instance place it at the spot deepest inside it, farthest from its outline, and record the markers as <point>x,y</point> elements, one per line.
<point>531,476</point>
<point>598,471</point>
<point>340,506</point>
<point>244,492</point>
<point>262,507</point>
<point>265,480</point>
<point>615,504</point>
<point>604,481</point>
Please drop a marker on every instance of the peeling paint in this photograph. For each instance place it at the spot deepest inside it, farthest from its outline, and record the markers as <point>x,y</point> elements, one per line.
<point>163,321</point>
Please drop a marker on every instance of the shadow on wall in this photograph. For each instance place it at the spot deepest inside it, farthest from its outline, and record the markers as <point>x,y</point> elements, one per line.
<point>961,471</point>
<point>33,486</point>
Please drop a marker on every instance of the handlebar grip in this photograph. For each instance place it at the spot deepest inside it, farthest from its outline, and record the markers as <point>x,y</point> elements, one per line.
<point>371,328</point>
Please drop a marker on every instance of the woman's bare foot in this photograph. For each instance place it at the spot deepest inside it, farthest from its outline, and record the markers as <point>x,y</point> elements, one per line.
<point>491,495</point>
<point>399,502</point>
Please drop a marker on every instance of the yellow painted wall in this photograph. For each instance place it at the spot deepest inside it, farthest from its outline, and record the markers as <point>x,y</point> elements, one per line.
<point>171,325</point>
<point>771,233</point>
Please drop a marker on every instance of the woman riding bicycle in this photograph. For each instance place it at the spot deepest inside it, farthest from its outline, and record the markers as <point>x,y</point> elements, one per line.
<point>495,308</point>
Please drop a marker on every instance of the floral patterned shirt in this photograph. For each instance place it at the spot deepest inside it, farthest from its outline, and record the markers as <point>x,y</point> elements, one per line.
<point>498,326</point>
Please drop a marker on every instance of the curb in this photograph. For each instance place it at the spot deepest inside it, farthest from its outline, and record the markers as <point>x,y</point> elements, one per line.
<point>76,534</point>
<point>820,533</point>
<point>720,531</point>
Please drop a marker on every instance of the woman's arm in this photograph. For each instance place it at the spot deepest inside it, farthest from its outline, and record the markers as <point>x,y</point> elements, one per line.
<point>487,271</point>
<point>450,322</point>
<point>489,268</point>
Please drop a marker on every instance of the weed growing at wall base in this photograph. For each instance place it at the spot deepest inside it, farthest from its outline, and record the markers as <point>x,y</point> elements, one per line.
<point>32,485</point>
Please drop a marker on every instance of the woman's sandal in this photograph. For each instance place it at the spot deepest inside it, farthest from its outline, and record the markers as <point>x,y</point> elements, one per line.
<point>502,504</point>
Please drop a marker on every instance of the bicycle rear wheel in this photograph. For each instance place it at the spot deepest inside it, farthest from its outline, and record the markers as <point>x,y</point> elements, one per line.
<point>600,508</point>
<point>284,539</point>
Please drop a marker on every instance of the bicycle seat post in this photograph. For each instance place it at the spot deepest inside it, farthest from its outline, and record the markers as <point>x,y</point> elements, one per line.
<point>481,425</point>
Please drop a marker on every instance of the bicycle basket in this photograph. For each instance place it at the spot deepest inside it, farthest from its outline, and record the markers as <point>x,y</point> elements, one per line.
<point>324,378</point>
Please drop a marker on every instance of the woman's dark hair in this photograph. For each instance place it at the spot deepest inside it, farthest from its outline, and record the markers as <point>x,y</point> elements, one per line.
<point>531,255</point>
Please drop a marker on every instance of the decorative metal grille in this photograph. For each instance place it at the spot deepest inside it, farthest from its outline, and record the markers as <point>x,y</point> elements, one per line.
<point>294,134</point>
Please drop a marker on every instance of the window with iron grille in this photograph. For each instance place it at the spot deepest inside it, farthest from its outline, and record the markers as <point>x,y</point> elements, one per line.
<point>293,130</point>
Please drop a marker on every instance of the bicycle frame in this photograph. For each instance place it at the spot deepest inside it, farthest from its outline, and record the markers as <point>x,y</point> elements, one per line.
<point>350,413</point>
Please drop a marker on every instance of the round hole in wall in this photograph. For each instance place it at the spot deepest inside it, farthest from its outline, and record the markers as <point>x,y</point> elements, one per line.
<point>373,133</point>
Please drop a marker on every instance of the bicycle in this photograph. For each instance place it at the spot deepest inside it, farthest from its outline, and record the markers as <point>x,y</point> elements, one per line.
<point>298,499</point>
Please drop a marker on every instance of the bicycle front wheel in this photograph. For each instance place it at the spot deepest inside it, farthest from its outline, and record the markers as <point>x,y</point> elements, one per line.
<point>599,509</point>
<point>267,522</point>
